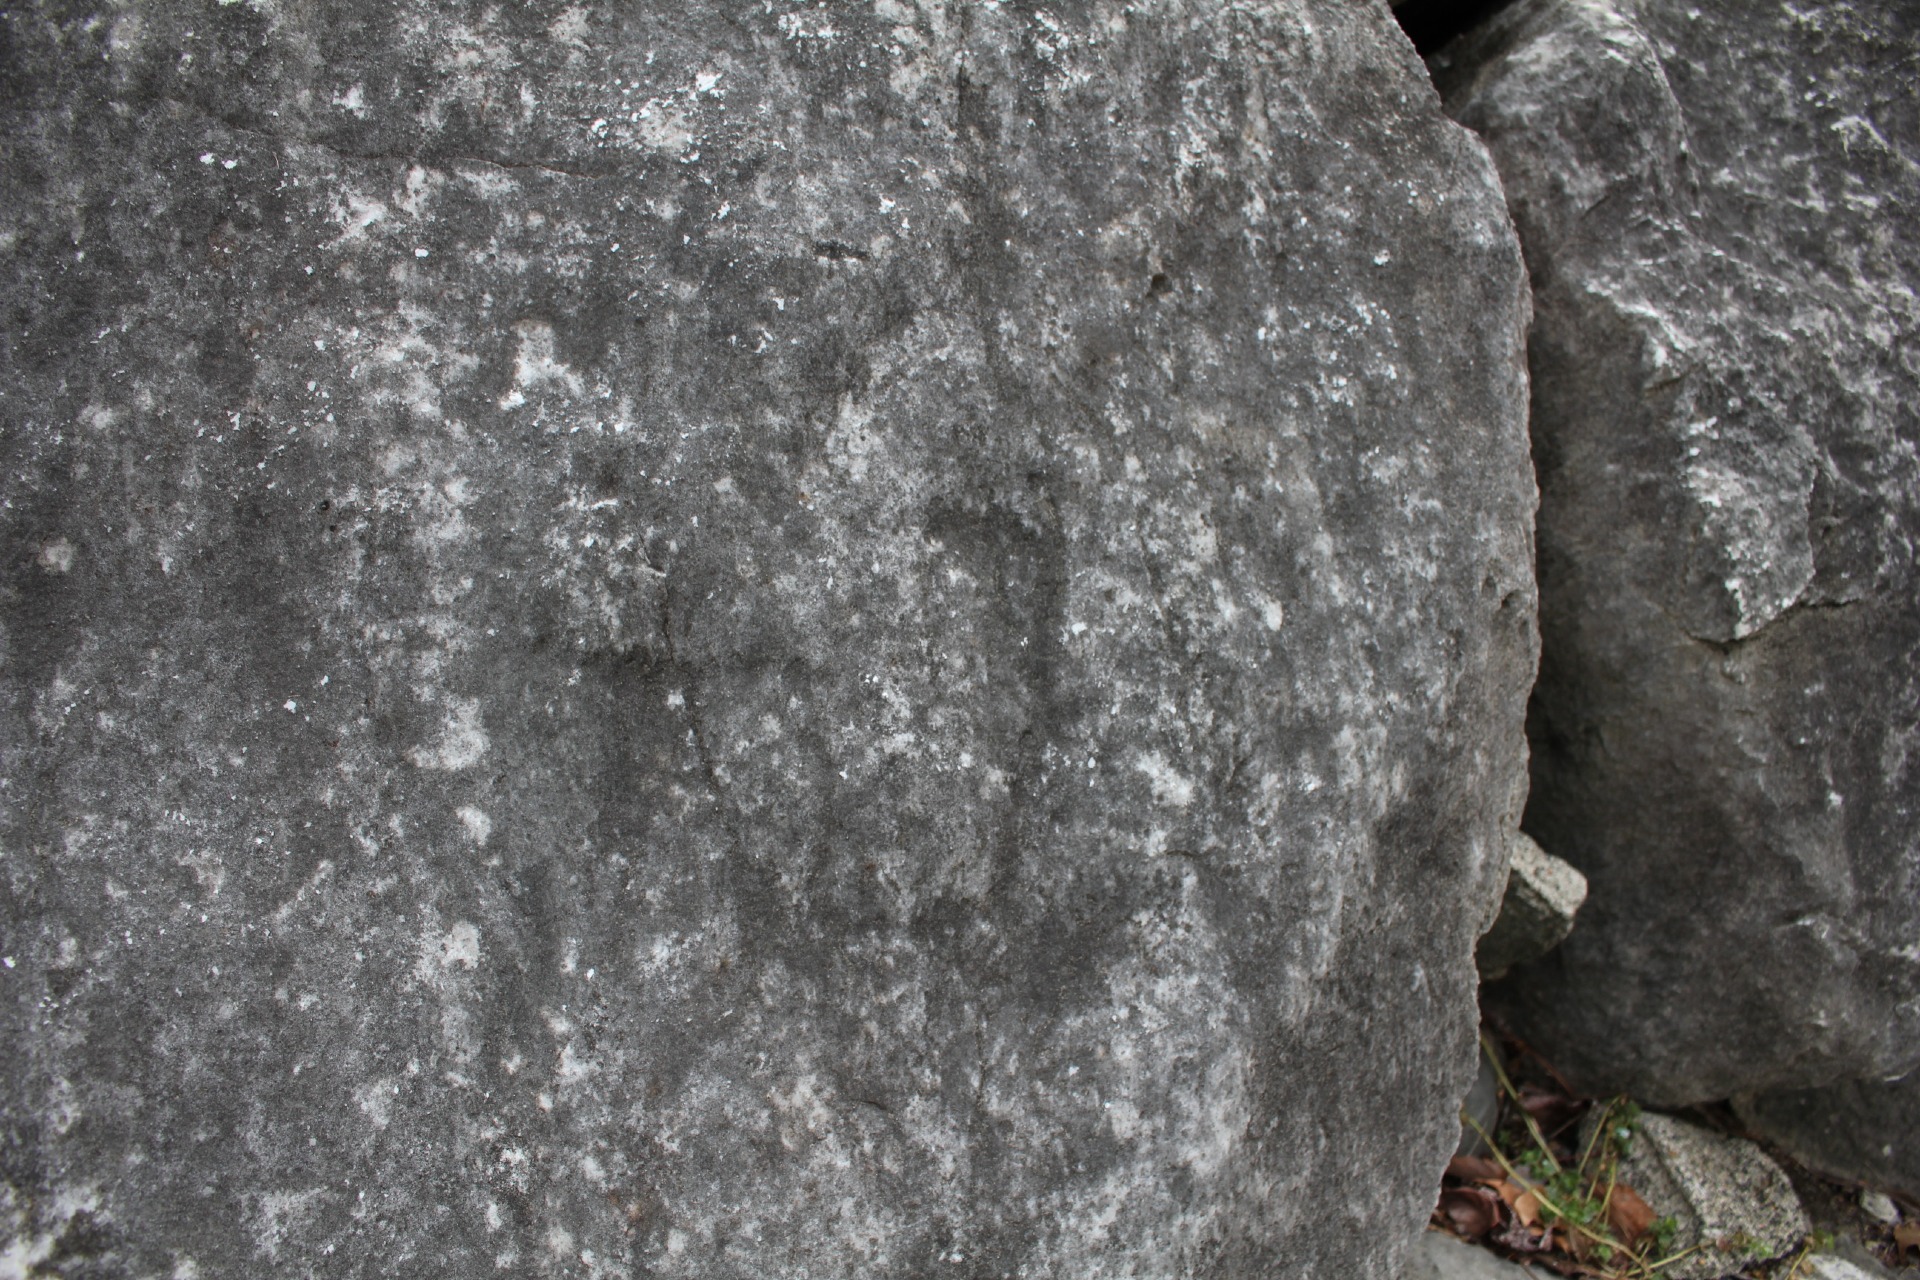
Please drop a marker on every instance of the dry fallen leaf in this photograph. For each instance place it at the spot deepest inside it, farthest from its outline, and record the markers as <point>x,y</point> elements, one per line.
<point>1470,1212</point>
<point>1520,1199</point>
<point>1517,1237</point>
<point>1554,1112</point>
<point>1907,1236</point>
<point>1631,1216</point>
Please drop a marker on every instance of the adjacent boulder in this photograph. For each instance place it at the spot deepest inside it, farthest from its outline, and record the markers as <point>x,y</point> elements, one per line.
<point>1717,205</point>
<point>1863,1131</point>
<point>745,639</point>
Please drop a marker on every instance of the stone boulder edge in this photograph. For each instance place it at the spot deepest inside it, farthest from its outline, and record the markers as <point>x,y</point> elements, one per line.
<point>1865,1131</point>
<point>1716,205</point>
<point>745,640</point>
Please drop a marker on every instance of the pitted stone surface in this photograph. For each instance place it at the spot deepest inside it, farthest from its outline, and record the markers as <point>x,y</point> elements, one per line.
<point>747,640</point>
<point>1717,204</point>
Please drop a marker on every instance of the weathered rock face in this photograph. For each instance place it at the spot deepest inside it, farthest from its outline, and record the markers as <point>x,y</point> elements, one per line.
<point>1717,204</point>
<point>1860,1130</point>
<point>747,640</point>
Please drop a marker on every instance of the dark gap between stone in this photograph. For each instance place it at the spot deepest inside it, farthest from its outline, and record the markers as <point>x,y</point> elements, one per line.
<point>1431,23</point>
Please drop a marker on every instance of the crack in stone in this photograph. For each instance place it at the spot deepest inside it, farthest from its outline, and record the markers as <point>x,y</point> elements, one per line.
<point>1735,643</point>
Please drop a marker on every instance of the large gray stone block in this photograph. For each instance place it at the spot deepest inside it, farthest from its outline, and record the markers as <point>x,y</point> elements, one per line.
<point>1717,203</point>
<point>744,640</point>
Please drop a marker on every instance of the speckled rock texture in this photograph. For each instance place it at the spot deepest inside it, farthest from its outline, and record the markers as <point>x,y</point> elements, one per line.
<point>1859,1130</point>
<point>1718,202</point>
<point>735,640</point>
<point>1723,1193</point>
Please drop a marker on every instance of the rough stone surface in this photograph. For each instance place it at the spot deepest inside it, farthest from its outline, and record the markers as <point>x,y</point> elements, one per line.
<point>1722,1192</point>
<point>1717,204</point>
<point>1440,1256</point>
<point>1537,911</point>
<point>1863,1131</point>
<point>744,640</point>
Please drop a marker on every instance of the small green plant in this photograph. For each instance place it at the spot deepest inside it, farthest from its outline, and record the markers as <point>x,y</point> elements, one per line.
<point>1574,1199</point>
<point>1626,1125</point>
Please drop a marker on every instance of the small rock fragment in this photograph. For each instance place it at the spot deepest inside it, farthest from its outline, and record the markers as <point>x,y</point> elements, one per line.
<point>1879,1206</point>
<point>1827,1267</point>
<point>1543,894</point>
<point>1723,1192</point>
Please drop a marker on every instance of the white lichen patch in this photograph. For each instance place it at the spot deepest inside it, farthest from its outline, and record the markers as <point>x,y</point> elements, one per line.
<point>55,556</point>
<point>277,1215</point>
<point>462,742</point>
<point>1170,786</point>
<point>356,213</point>
<point>1756,528</point>
<point>457,947</point>
<point>479,826</point>
<point>375,1100</point>
<point>28,1244</point>
<point>536,364</point>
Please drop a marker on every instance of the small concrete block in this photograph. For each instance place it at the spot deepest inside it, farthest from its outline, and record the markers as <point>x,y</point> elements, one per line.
<point>1543,894</point>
